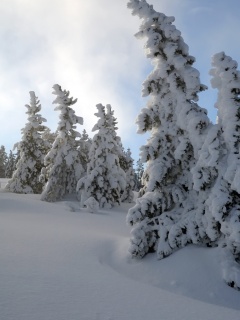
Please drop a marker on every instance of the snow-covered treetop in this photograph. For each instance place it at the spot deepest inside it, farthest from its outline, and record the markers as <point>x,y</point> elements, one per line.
<point>102,117</point>
<point>106,118</point>
<point>84,135</point>
<point>34,118</point>
<point>166,47</point>
<point>68,118</point>
<point>62,97</point>
<point>35,105</point>
<point>111,120</point>
<point>174,84</point>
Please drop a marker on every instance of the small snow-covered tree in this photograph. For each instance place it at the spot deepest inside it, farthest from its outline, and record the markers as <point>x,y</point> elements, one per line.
<point>105,180</point>
<point>32,149</point>
<point>166,216</point>
<point>10,166</point>
<point>139,174</point>
<point>84,148</point>
<point>63,166</point>
<point>128,194</point>
<point>3,161</point>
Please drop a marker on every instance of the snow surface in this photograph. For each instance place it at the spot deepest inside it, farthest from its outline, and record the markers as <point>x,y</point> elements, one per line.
<point>60,262</point>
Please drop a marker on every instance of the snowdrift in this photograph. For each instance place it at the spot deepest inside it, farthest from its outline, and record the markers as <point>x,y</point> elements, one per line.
<point>59,262</point>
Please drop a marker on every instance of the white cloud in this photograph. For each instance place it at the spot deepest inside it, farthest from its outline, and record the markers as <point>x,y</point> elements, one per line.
<point>88,47</point>
<point>85,47</point>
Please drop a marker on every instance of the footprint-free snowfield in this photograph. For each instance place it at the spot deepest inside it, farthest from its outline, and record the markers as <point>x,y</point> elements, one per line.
<point>58,262</point>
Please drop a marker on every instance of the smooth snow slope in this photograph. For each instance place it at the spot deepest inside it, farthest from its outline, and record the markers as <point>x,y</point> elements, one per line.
<point>58,262</point>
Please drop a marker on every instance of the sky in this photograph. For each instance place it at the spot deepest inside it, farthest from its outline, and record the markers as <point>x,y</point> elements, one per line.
<point>89,48</point>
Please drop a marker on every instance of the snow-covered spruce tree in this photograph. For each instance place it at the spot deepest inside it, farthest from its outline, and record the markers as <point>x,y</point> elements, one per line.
<point>105,180</point>
<point>10,166</point>
<point>166,216</point>
<point>3,161</point>
<point>63,167</point>
<point>84,148</point>
<point>139,174</point>
<point>223,203</point>
<point>128,194</point>
<point>32,149</point>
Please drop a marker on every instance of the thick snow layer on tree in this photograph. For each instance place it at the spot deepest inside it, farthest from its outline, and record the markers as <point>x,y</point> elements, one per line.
<point>59,262</point>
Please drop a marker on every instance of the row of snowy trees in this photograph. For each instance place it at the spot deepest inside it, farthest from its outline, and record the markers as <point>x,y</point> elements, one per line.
<point>191,185</point>
<point>68,162</point>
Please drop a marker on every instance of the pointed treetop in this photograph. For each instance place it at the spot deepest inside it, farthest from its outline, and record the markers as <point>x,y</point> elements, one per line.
<point>166,47</point>
<point>62,96</point>
<point>112,121</point>
<point>34,105</point>
<point>64,102</point>
<point>101,114</point>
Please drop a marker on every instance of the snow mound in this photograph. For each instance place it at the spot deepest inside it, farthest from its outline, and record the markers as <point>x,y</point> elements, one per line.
<point>193,272</point>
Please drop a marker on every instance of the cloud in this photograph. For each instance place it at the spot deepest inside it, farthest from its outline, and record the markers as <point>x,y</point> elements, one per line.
<point>88,47</point>
<point>83,46</point>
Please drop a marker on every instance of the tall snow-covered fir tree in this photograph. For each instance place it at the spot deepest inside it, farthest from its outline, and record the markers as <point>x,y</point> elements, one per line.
<point>105,180</point>
<point>63,166</point>
<point>166,216</point>
<point>32,149</point>
<point>128,194</point>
